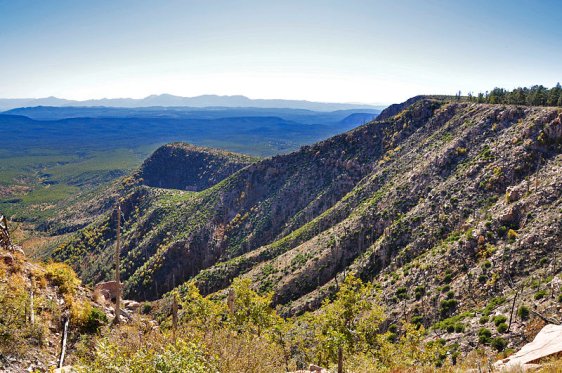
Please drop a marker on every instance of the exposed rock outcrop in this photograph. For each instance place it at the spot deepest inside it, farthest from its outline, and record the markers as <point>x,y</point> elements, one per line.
<point>188,167</point>
<point>547,343</point>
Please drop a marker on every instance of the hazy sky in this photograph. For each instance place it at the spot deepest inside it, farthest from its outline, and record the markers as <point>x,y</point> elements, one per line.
<point>338,51</point>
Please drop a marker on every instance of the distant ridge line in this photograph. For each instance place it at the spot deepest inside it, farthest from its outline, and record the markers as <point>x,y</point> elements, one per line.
<point>167,100</point>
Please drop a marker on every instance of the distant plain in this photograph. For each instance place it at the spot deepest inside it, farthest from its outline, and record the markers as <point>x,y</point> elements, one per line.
<point>49,155</point>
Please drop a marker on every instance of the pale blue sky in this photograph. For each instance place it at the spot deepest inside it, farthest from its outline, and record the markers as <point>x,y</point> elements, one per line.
<point>338,51</point>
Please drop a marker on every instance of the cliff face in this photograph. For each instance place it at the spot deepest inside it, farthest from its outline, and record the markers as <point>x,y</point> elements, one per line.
<point>447,205</point>
<point>188,167</point>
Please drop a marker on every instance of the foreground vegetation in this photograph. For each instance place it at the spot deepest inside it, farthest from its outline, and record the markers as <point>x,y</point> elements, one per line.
<point>244,334</point>
<point>237,331</point>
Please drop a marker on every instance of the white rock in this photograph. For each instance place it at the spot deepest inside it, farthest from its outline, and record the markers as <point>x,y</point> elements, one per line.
<point>548,342</point>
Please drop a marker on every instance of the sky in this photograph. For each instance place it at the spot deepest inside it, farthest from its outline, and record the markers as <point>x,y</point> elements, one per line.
<point>376,52</point>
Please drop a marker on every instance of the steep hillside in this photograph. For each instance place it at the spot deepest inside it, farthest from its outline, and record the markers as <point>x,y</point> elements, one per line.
<point>177,166</point>
<point>188,167</point>
<point>453,208</point>
<point>36,301</point>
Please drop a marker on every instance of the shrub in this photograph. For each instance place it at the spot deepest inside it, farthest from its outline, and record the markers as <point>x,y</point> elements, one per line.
<point>180,357</point>
<point>402,293</point>
<point>540,294</point>
<point>512,235</point>
<point>448,306</point>
<point>484,336</point>
<point>461,150</point>
<point>498,343</point>
<point>445,288</point>
<point>523,312</point>
<point>419,292</point>
<point>483,320</point>
<point>493,304</point>
<point>560,298</point>
<point>146,308</point>
<point>502,328</point>
<point>88,319</point>
<point>417,320</point>
<point>61,275</point>
<point>95,318</point>
<point>500,319</point>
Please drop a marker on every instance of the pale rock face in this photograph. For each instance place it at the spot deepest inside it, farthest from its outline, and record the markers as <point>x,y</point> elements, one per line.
<point>108,289</point>
<point>547,343</point>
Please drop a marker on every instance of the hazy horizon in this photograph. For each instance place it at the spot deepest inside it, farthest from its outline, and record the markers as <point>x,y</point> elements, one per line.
<point>196,96</point>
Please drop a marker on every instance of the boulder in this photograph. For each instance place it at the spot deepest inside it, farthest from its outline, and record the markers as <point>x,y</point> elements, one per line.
<point>108,289</point>
<point>316,369</point>
<point>513,194</point>
<point>131,305</point>
<point>546,344</point>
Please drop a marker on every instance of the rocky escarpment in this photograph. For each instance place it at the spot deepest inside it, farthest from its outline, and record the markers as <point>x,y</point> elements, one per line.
<point>177,166</point>
<point>454,208</point>
<point>188,167</point>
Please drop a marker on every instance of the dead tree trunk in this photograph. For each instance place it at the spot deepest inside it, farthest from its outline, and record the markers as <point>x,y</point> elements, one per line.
<point>513,308</point>
<point>31,305</point>
<point>340,360</point>
<point>230,301</point>
<point>174,317</point>
<point>65,322</point>
<point>117,274</point>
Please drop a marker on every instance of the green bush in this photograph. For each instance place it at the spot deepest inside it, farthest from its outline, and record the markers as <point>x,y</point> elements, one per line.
<point>417,320</point>
<point>402,293</point>
<point>459,328</point>
<point>484,336</point>
<point>502,230</point>
<point>61,275</point>
<point>523,312</point>
<point>484,319</point>
<point>180,357</point>
<point>146,308</point>
<point>419,292</point>
<point>540,294</point>
<point>502,328</point>
<point>94,320</point>
<point>498,343</point>
<point>500,319</point>
<point>493,304</point>
<point>512,235</point>
<point>448,306</point>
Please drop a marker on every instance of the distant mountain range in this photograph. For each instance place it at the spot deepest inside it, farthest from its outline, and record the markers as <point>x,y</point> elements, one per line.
<point>167,100</point>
